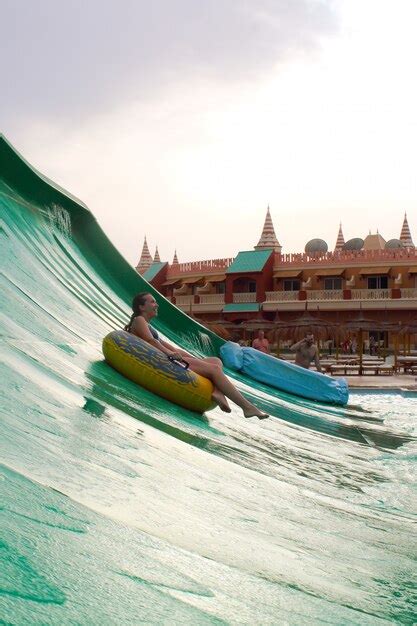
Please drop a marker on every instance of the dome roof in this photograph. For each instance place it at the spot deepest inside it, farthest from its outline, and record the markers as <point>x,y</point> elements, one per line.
<point>354,244</point>
<point>315,245</point>
<point>394,243</point>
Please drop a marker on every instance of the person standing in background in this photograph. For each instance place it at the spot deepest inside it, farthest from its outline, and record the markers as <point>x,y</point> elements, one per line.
<point>306,351</point>
<point>261,343</point>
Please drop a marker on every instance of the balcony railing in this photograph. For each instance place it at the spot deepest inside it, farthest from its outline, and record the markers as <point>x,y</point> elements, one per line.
<point>371,294</point>
<point>345,257</point>
<point>281,296</point>
<point>330,295</point>
<point>181,300</point>
<point>325,294</point>
<point>244,297</point>
<point>408,293</point>
<point>313,295</point>
<point>212,298</point>
<point>210,266</point>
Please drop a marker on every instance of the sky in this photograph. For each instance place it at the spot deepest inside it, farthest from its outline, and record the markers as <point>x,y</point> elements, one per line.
<point>182,120</point>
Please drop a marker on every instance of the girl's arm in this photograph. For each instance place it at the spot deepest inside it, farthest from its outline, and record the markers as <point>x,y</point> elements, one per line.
<point>168,346</point>
<point>140,328</point>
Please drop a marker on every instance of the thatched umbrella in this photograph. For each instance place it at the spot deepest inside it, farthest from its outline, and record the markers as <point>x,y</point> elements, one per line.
<point>307,323</point>
<point>404,331</point>
<point>223,328</point>
<point>275,328</point>
<point>257,324</point>
<point>410,326</point>
<point>361,324</point>
<point>293,329</point>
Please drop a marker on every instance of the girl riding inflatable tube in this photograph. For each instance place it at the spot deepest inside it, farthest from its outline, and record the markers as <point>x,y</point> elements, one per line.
<point>135,361</point>
<point>152,369</point>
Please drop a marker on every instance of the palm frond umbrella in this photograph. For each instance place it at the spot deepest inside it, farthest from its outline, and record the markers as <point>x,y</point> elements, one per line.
<point>221,322</point>
<point>222,328</point>
<point>257,324</point>
<point>405,330</point>
<point>279,328</point>
<point>361,324</point>
<point>307,323</point>
<point>407,327</point>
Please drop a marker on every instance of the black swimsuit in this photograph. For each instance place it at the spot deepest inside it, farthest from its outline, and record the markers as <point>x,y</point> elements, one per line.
<point>153,333</point>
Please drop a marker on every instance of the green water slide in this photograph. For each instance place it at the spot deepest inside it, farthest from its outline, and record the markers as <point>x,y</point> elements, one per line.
<point>118,507</point>
<point>25,186</point>
<point>65,284</point>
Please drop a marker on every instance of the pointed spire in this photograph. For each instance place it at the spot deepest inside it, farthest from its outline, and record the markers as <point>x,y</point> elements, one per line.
<point>145,260</point>
<point>175,259</point>
<point>156,258</point>
<point>340,241</point>
<point>405,236</point>
<point>268,237</point>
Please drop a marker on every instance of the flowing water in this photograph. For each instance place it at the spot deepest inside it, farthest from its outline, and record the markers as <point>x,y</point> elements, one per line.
<point>119,507</point>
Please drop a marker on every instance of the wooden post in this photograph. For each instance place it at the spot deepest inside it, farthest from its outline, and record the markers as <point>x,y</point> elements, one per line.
<point>396,352</point>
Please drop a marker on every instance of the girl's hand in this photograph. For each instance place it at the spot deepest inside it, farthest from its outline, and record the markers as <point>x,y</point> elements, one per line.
<point>177,356</point>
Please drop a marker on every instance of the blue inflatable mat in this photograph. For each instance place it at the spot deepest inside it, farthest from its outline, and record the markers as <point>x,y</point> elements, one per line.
<point>285,376</point>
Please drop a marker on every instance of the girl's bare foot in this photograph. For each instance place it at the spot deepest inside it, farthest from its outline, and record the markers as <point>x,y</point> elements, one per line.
<point>220,399</point>
<point>254,412</point>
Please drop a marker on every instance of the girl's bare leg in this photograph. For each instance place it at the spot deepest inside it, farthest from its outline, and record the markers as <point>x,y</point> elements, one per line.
<point>217,395</point>
<point>221,400</point>
<point>222,384</point>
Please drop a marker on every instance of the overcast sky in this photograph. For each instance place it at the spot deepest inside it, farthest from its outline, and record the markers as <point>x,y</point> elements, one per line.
<point>184,119</point>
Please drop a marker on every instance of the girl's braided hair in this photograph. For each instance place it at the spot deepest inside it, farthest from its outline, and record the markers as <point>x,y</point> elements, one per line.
<point>137,302</point>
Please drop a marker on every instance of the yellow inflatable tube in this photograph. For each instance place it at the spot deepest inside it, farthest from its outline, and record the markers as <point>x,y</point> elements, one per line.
<point>150,368</point>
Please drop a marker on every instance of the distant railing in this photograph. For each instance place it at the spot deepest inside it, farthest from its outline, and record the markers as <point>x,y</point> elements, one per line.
<point>327,295</point>
<point>371,294</point>
<point>281,296</point>
<point>342,257</point>
<point>315,295</point>
<point>212,298</point>
<point>410,292</point>
<point>324,294</point>
<point>210,266</point>
<point>184,299</point>
<point>244,297</point>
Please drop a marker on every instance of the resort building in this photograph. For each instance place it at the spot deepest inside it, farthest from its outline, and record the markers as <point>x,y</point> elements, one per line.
<point>370,279</point>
